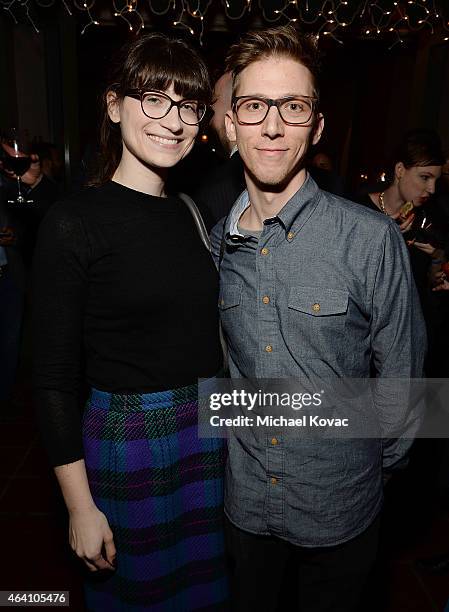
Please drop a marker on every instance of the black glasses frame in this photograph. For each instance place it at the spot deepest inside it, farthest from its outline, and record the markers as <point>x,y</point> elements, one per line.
<point>139,94</point>
<point>277,103</point>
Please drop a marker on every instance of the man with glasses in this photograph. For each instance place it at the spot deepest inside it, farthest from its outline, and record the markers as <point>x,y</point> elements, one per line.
<point>312,286</point>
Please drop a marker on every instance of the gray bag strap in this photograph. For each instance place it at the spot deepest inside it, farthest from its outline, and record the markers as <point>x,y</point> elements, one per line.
<point>206,241</point>
<point>197,218</point>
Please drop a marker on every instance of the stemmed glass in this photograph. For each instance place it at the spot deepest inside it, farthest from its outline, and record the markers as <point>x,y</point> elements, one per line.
<point>15,158</point>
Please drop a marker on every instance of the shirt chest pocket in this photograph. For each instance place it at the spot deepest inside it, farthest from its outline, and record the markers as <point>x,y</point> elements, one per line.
<point>230,296</point>
<point>229,301</point>
<point>317,320</point>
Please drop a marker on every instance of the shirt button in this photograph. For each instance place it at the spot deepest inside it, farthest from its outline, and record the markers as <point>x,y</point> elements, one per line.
<point>290,235</point>
<point>274,441</point>
<point>266,299</point>
<point>316,307</point>
<point>274,480</point>
<point>264,251</point>
<point>269,348</point>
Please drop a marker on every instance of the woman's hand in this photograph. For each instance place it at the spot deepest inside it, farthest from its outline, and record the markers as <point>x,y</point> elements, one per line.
<point>443,286</point>
<point>425,247</point>
<point>89,533</point>
<point>406,225</point>
<point>441,281</point>
<point>91,539</point>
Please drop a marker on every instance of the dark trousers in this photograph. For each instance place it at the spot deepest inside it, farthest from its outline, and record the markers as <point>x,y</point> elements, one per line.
<point>11,311</point>
<point>267,571</point>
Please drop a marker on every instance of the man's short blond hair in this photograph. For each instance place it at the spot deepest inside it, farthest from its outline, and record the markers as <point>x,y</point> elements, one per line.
<point>280,41</point>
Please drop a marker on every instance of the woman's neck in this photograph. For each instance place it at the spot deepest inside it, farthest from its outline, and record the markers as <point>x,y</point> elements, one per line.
<point>391,200</point>
<point>134,174</point>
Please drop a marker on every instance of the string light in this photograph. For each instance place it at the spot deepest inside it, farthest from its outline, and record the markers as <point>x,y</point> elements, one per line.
<point>67,8</point>
<point>374,18</point>
<point>91,22</point>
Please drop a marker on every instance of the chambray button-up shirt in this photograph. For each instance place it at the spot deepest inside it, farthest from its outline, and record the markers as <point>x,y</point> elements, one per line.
<point>325,291</point>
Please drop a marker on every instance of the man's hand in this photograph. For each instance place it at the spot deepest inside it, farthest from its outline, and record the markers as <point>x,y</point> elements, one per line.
<point>32,176</point>
<point>91,538</point>
<point>7,236</point>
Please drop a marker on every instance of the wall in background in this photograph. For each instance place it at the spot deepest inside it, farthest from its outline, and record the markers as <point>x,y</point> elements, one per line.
<point>370,95</point>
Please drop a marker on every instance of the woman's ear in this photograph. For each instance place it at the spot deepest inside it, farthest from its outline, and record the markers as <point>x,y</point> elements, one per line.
<point>399,171</point>
<point>113,105</point>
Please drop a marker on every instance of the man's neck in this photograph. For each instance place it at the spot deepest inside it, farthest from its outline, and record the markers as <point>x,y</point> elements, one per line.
<point>266,203</point>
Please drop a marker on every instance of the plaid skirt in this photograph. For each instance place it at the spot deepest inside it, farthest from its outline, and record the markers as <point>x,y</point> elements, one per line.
<point>161,489</point>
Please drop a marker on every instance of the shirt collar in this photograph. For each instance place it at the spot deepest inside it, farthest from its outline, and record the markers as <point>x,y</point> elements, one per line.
<point>301,204</point>
<point>237,211</point>
<point>303,201</point>
<point>233,150</point>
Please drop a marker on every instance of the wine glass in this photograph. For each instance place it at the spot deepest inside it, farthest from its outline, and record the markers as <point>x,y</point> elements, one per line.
<point>15,158</point>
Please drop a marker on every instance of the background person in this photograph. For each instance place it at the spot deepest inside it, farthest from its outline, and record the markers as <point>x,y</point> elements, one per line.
<point>417,166</point>
<point>36,187</point>
<point>12,292</point>
<point>219,190</point>
<point>321,168</point>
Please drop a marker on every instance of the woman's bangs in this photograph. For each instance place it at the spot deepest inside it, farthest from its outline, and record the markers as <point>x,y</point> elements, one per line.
<point>160,75</point>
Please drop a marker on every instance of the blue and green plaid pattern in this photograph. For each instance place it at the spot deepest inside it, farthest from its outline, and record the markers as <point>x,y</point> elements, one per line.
<point>161,488</point>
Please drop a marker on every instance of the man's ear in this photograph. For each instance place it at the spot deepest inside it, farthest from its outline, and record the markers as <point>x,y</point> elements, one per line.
<point>318,129</point>
<point>113,106</point>
<point>230,126</point>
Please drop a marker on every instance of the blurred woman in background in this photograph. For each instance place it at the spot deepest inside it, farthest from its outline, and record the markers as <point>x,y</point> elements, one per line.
<point>417,167</point>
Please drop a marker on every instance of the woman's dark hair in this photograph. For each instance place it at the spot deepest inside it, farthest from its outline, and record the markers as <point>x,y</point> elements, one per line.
<point>420,147</point>
<point>153,61</point>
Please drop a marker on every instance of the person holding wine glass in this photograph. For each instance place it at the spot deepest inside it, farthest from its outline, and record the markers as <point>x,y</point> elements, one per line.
<point>124,284</point>
<point>16,160</point>
<point>28,194</point>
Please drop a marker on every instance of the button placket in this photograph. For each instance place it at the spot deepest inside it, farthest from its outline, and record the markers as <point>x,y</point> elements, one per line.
<point>275,472</point>
<point>267,320</point>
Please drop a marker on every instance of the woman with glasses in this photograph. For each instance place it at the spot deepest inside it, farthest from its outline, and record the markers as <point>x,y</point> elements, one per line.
<point>124,285</point>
